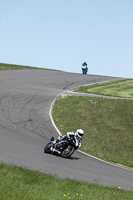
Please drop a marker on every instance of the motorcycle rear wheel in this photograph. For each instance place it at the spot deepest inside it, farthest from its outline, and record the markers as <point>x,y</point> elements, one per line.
<point>68,151</point>
<point>47,148</point>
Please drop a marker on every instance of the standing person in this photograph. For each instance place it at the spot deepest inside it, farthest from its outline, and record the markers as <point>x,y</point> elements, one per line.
<point>84,68</point>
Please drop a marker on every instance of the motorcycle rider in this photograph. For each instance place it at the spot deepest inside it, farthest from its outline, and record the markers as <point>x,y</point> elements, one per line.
<point>84,68</point>
<point>78,137</point>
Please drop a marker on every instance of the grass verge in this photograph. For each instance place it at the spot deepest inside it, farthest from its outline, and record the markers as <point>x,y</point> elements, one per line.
<point>108,125</point>
<point>18,183</point>
<point>15,67</point>
<point>117,88</point>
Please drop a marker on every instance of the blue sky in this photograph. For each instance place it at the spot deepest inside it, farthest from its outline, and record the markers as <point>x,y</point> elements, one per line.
<point>62,34</point>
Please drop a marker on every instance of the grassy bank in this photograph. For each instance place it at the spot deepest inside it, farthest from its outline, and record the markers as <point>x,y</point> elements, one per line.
<point>16,67</point>
<point>18,183</point>
<point>117,88</point>
<point>108,125</point>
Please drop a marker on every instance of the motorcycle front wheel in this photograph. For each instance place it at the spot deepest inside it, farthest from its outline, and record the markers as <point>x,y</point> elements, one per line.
<point>47,148</point>
<point>83,71</point>
<point>68,151</point>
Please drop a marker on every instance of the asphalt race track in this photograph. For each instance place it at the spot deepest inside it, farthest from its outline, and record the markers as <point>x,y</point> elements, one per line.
<point>25,127</point>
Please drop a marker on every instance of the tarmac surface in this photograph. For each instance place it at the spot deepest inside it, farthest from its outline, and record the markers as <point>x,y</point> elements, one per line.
<point>26,127</point>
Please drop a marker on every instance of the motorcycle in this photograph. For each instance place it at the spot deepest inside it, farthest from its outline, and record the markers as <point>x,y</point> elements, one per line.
<point>84,70</point>
<point>65,148</point>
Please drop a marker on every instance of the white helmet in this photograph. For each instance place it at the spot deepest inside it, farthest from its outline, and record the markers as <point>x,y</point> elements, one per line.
<point>80,133</point>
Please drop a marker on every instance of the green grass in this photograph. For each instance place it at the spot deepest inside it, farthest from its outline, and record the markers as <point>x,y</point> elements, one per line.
<point>16,67</point>
<point>18,183</point>
<point>117,88</point>
<point>108,125</point>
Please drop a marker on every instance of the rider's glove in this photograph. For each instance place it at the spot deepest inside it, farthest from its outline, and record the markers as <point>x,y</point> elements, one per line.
<point>54,142</point>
